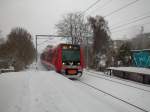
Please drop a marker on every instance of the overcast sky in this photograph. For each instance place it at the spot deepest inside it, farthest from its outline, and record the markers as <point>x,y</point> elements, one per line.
<point>40,16</point>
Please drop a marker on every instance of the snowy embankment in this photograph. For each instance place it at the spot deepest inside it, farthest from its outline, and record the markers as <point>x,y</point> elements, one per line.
<point>41,91</point>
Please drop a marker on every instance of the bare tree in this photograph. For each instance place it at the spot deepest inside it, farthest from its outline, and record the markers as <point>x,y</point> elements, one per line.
<point>74,26</point>
<point>21,48</point>
<point>101,38</point>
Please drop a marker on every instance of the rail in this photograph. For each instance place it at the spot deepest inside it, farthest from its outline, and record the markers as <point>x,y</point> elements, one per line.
<point>109,79</point>
<point>140,108</point>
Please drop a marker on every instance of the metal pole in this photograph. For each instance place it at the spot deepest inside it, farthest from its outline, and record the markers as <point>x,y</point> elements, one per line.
<point>36,51</point>
<point>87,57</point>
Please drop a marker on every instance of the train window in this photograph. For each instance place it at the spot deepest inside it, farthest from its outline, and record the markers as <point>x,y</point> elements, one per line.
<point>71,55</point>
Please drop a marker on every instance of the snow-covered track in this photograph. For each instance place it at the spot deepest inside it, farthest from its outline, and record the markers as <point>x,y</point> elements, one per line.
<point>90,73</point>
<point>91,86</point>
<point>114,77</point>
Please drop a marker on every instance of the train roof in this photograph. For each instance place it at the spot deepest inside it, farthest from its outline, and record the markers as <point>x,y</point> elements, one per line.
<point>51,48</point>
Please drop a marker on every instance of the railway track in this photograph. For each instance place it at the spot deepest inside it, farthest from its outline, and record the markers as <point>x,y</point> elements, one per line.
<point>104,77</point>
<point>125,80</point>
<point>133,105</point>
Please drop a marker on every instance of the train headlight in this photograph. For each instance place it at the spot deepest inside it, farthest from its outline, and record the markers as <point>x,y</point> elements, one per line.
<point>63,63</point>
<point>78,63</point>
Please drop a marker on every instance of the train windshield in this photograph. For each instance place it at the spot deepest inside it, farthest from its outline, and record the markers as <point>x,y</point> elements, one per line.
<point>70,55</point>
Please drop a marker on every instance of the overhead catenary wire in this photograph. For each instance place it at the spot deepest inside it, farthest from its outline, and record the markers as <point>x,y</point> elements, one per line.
<point>147,23</point>
<point>125,24</point>
<point>111,13</point>
<point>131,19</point>
<point>91,6</point>
<point>134,19</point>
<point>48,38</point>
<point>104,5</point>
<point>123,7</point>
<point>43,42</point>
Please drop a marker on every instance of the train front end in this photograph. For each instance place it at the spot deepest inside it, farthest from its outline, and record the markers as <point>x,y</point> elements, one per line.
<point>72,61</point>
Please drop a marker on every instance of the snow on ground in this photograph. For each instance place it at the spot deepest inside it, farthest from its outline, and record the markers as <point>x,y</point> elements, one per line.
<point>41,91</point>
<point>47,91</point>
<point>119,80</point>
<point>37,65</point>
<point>115,104</point>
<point>135,96</point>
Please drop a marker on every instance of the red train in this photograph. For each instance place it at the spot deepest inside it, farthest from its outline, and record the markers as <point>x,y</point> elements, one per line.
<point>66,59</point>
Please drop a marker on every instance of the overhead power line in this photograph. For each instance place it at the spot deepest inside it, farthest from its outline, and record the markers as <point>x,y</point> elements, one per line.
<point>131,19</point>
<point>105,4</point>
<point>147,23</point>
<point>91,6</point>
<point>125,24</point>
<point>125,6</point>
